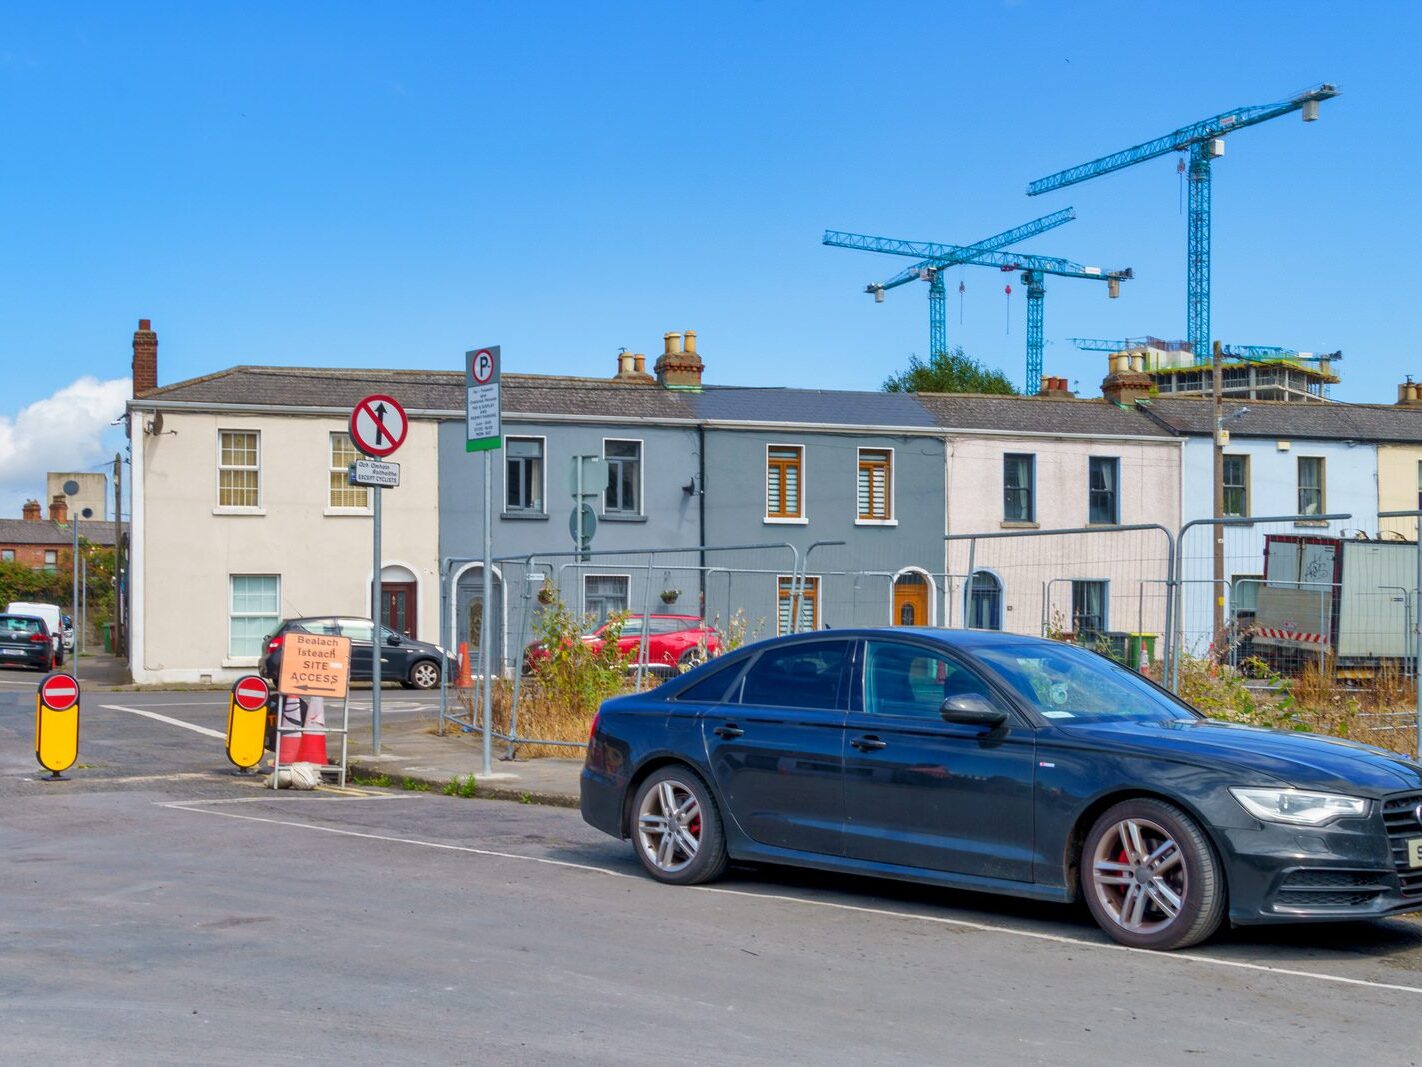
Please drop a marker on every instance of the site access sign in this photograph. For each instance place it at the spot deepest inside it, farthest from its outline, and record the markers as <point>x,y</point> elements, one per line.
<point>485,415</point>
<point>314,665</point>
<point>378,425</point>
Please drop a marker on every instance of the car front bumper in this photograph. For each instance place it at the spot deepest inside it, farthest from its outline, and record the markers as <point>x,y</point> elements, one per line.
<point>1351,870</point>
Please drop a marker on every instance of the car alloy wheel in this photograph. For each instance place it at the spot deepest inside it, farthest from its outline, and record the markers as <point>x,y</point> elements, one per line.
<point>676,828</point>
<point>1139,876</point>
<point>424,675</point>
<point>1150,876</point>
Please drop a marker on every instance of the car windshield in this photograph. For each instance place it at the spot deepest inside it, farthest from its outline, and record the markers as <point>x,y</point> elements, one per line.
<point>1068,684</point>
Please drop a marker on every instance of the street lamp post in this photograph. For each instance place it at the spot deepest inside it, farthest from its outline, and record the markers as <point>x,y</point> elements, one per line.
<point>71,489</point>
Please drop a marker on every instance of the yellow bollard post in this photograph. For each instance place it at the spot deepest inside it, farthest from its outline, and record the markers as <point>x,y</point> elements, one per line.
<point>247,722</point>
<point>57,725</point>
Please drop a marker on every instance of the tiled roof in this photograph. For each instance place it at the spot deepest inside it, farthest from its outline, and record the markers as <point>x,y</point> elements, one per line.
<point>1035,414</point>
<point>1285,420</point>
<point>533,394</point>
<point>44,532</point>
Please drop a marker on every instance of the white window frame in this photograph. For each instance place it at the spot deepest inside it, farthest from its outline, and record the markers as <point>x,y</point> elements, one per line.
<point>51,564</point>
<point>235,509</point>
<point>7,555</point>
<point>641,480</point>
<point>529,513</point>
<point>625,577</point>
<point>893,503</point>
<point>333,509</point>
<point>810,581</point>
<point>229,660</point>
<point>803,519</point>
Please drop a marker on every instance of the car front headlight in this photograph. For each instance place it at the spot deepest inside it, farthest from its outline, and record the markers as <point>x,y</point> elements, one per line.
<point>1296,806</point>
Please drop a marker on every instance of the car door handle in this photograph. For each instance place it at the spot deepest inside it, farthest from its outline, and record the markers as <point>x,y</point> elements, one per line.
<point>728,731</point>
<point>869,743</point>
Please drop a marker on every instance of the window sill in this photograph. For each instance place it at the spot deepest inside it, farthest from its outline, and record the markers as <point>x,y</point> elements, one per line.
<point>623,517</point>
<point>1013,524</point>
<point>525,516</point>
<point>239,511</point>
<point>876,522</point>
<point>1311,522</point>
<point>353,513</point>
<point>776,520</point>
<point>243,661</point>
<point>1098,525</point>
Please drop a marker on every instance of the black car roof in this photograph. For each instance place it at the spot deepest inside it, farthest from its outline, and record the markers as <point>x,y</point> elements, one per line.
<point>966,639</point>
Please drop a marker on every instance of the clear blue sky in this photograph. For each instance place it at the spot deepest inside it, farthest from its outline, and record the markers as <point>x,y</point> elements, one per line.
<point>386,185</point>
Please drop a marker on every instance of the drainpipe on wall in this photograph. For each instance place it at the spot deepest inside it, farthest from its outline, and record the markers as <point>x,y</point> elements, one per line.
<point>701,511</point>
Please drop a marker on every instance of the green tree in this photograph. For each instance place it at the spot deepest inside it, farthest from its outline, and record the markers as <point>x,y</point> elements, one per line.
<point>948,372</point>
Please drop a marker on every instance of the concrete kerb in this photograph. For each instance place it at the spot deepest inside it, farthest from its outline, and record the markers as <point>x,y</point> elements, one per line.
<point>484,789</point>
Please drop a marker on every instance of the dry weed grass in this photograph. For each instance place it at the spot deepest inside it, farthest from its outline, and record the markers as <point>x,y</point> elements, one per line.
<point>539,715</point>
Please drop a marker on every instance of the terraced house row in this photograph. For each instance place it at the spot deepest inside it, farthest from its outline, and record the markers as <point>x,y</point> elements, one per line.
<point>242,514</point>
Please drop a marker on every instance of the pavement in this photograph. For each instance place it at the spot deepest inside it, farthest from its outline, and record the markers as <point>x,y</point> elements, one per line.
<point>411,748</point>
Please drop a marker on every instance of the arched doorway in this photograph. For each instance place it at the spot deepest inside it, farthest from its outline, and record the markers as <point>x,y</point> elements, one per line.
<point>985,611</point>
<point>399,599</point>
<point>469,617</point>
<point>911,599</point>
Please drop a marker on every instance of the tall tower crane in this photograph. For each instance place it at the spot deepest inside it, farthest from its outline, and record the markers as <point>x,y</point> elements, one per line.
<point>931,270</point>
<point>1204,141</point>
<point>935,256</point>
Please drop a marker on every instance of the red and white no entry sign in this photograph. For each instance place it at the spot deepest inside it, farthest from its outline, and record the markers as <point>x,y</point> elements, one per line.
<point>250,693</point>
<point>378,425</point>
<point>60,692</point>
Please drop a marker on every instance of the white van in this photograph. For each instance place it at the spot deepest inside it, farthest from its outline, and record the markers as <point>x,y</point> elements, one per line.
<point>50,614</point>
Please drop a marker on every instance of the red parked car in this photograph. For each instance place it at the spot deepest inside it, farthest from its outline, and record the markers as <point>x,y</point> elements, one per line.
<point>674,642</point>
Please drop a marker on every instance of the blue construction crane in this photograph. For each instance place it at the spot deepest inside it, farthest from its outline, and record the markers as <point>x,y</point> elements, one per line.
<point>1204,140</point>
<point>934,257</point>
<point>931,270</point>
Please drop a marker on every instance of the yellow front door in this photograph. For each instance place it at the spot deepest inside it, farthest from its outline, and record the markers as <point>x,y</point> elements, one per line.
<point>910,601</point>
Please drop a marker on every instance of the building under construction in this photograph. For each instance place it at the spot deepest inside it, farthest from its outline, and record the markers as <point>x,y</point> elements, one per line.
<point>1249,372</point>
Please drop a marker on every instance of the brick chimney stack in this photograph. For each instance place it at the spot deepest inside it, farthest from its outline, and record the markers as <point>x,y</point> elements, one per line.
<point>1128,380</point>
<point>1409,393</point>
<point>145,358</point>
<point>59,509</point>
<point>1055,387</point>
<point>31,511</point>
<point>679,367</point>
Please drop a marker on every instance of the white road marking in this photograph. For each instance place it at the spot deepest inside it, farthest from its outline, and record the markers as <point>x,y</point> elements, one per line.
<point>962,924</point>
<point>164,718</point>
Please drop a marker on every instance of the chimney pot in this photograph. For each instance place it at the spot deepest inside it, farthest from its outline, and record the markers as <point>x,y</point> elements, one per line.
<point>32,511</point>
<point>624,364</point>
<point>691,342</point>
<point>639,362</point>
<point>59,509</point>
<point>671,344</point>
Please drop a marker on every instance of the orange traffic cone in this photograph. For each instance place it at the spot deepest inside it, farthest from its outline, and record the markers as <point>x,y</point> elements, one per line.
<point>466,675</point>
<point>289,743</point>
<point>313,736</point>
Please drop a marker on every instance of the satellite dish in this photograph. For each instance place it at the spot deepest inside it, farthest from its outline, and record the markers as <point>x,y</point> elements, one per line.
<point>154,425</point>
<point>71,487</point>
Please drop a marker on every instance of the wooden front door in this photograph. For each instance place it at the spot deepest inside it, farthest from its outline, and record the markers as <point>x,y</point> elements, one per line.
<point>398,608</point>
<point>911,601</point>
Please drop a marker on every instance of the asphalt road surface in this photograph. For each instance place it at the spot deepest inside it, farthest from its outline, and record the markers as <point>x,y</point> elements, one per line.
<point>156,909</point>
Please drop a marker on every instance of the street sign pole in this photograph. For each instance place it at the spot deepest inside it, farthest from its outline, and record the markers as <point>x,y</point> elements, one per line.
<point>485,433</point>
<point>377,639</point>
<point>578,543</point>
<point>485,652</point>
<point>378,426</point>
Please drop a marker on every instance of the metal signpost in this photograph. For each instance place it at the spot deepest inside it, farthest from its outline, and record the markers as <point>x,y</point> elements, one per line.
<point>484,434</point>
<point>378,427</point>
<point>587,477</point>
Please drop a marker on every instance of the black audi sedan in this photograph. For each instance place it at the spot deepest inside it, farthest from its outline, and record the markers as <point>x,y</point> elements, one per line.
<point>25,641</point>
<point>998,763</point>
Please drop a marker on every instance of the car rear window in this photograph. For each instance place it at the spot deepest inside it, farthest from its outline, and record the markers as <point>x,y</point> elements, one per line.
<point>18,624</point>
<point>712,689</point>
<point>802,675</point>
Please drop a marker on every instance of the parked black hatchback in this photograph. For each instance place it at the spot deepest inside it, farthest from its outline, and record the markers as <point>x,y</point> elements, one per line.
<point>25,642</point>
<point>414,664</point>
<point>987,761</point>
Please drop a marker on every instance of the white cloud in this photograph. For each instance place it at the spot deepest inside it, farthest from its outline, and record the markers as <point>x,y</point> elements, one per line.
<point>62,432</point>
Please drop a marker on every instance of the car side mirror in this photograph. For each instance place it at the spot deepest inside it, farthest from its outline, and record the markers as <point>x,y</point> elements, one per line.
<point>972,709</point>
<point>393,639</point>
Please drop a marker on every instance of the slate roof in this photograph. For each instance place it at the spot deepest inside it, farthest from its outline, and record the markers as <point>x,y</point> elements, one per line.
<point>1036,414</point>
<point>44,532</point>
<point>1284,420</point>
<point>442,392</point>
